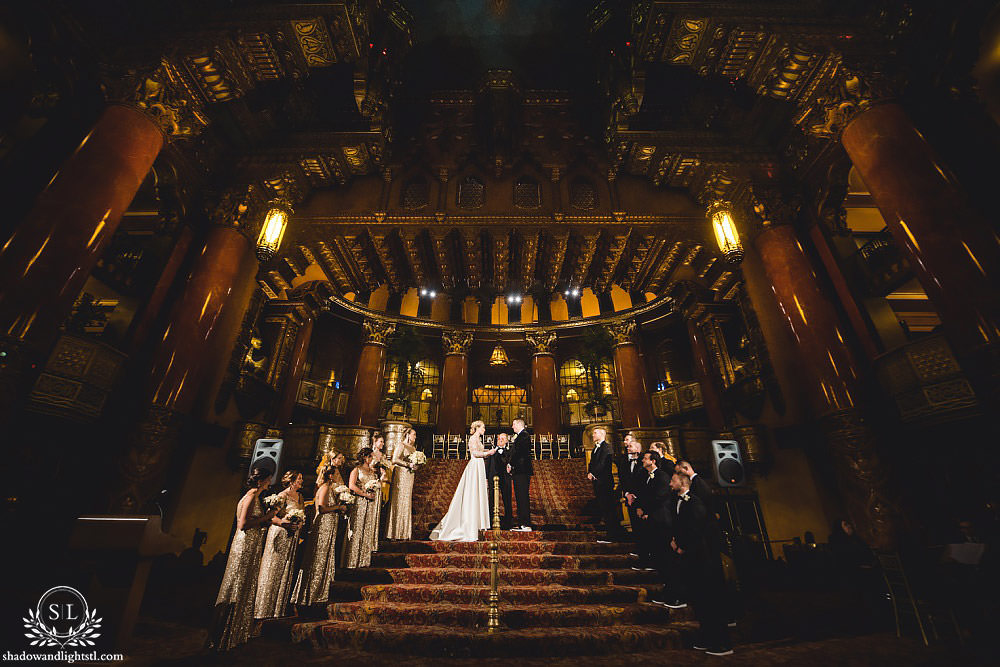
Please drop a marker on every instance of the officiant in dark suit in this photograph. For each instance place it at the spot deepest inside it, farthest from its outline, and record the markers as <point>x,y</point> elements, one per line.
<point>520,468</point>
<point>496,466</point>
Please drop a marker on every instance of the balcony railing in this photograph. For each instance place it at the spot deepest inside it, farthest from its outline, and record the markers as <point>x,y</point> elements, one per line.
<point>77,378</point>
<point>882,265</point>
<point>925,381</point>
<point>677,399</point>
<point>321,396</point>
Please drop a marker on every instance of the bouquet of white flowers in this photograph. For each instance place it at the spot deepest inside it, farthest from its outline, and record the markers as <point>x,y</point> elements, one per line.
<point>417,458</point>
<point>274,501</point>
<point>296,515</point>
<point>341,489</point>
<point>371,485</point>
<point>346,497</point>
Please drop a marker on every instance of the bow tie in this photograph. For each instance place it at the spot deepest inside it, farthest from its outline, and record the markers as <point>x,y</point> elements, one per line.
<point>633,458</point>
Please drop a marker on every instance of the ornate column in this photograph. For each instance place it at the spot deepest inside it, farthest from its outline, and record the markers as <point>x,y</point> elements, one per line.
<point>545,411</point>
<point>46,261</point>
<point>953,250</point>
<point>832,376</point>
<point>630,377</point>
<point>198,341</point>
<point>711,395</point>
<point>295,368</point>
<point>363,407</point>
<point>454,382</point>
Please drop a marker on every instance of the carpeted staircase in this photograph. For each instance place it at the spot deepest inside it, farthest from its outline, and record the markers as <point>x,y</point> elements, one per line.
<point>561,593</point>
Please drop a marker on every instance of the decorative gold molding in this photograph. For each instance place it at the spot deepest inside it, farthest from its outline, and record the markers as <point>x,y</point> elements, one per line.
<point>161,96</point>
<point>622,331</point>
<point>457,342</point>
<point>314,40</point>
<point>377,332</point>
<point>542,342</point>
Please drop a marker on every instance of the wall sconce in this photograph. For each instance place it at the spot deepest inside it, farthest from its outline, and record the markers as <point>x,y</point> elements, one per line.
<point>273,229</point>
<point>721,215</point>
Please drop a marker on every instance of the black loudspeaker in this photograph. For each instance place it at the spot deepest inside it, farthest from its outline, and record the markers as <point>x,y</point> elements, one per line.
<point>267,454</point>
<point>728,463</point>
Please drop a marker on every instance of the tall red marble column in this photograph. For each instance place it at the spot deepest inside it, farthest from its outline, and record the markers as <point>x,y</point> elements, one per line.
<point>45,263</point>
<point>832,381</point>
<point>454,382</point>
<point>545,404</point>
<point>711,395</point>
<point>366,397</point>
<point>953,250</point>
<point>203,327</point>
<point>630,377</point>
<point>296,368</point>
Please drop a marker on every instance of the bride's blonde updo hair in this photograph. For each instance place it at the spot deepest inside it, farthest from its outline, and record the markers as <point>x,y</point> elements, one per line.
<point>474,426</point>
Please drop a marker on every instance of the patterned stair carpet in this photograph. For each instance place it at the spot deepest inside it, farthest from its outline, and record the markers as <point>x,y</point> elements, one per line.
<point>561,593</point>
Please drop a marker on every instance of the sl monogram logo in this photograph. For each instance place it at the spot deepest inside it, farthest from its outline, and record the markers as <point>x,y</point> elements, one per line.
<point>62,618</point>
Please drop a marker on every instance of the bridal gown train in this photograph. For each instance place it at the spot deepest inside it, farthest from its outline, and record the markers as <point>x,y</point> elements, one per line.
<point>469,511</point>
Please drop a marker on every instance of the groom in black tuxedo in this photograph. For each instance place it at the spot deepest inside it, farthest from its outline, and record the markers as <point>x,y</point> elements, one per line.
<point>496,466</point>
<point>520,468</point>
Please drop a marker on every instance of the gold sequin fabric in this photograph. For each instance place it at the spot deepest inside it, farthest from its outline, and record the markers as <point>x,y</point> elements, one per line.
<point>235,603</point>
<point>362,526</point>
<point>277,570</point>
<point>400,523</point>
<point>318,562</point>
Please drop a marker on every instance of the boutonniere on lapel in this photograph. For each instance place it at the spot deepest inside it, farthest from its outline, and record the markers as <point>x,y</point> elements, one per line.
<point>685,496</point>
<point>652,475</point>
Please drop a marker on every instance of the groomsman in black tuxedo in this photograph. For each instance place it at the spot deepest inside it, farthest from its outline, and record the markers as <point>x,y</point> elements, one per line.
<point>496,466</point>
<point>654,522</point>
<point>599,473</point>
<point>630,475</point>
<point>702,567</point>
<point>699,486</point>
<point>520,468</point>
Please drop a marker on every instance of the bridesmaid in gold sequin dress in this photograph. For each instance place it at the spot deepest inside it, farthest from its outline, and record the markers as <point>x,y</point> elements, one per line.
<point>233,619</point>
<point>379,465</point>
<point>277,566</point>
<point>320,554</point>
<point>361,527</point>
<point>400,523</point>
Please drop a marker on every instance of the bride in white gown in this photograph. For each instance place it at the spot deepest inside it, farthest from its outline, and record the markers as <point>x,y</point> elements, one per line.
<point>469,510</point>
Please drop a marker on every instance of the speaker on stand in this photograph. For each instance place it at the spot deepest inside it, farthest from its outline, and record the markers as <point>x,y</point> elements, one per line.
<point>267,455</point>
<point>727,463</point>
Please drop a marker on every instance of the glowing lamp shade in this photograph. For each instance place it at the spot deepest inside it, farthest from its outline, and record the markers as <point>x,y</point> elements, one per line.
<point>725,231</point>
<point>499,356</point>
<point>273,230</point>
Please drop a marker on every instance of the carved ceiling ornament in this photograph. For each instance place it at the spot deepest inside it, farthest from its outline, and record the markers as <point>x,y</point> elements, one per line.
<point>773,207</point>
<point>622,332</point>
<point>160,95</point>
<point>851,93</point>
<point>542,342</point>
<point>377,332</point>
<point>456,342</point>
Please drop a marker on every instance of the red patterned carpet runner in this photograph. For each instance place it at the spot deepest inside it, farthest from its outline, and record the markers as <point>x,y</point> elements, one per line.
<point>561,593</point>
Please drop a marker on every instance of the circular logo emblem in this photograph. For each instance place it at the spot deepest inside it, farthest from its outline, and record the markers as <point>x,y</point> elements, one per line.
<point>62,618</point>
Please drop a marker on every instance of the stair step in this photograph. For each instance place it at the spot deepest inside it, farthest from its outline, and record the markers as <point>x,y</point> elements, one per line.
<point>481,577</point>
<point>511,616</point>
<point>510,547</point>
<point>508,560</point>
<point>549,594</point>
<point>447,641</point>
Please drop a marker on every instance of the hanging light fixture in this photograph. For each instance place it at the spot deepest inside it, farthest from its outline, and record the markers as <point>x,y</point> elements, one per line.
<point>499,356</point>
<point>721,214</point>
<point>273,229</point>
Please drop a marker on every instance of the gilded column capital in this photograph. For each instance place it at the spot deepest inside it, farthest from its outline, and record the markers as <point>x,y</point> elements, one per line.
<point>851,92</point>
<point>160,94</point>
<point>240,208</point>
<point>457,342</point>
<point>542,342</point>
<point>377,332</point>
<point>622,332</point>
<point>773,206</point>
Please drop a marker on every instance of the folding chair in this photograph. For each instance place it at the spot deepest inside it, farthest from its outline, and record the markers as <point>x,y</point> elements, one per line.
<point>562,446</point>
<point>454,444</point>
<point>545,446</point>
<point>437,449</point>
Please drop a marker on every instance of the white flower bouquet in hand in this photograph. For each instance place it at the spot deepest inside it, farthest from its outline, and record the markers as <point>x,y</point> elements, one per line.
<point>296,515</point>
<point>371,485</point>
<point>274,501</point>
<point>417,458</point>
<point>346,497</point>
<point>341,489</point>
